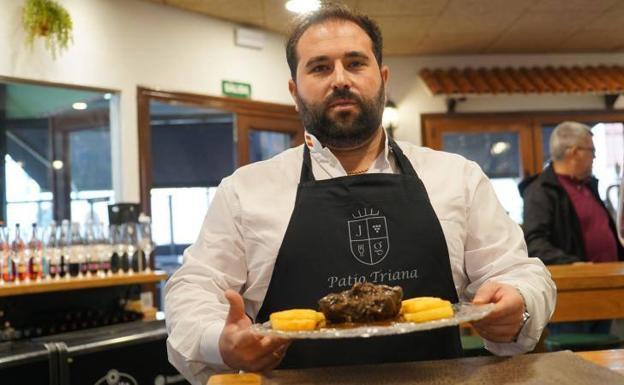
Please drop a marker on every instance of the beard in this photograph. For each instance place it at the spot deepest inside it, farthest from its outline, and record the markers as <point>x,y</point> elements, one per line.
<point>346,128</point>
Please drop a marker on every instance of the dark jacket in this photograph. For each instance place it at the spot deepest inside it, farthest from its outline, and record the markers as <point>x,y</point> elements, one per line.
<point>551,227</point>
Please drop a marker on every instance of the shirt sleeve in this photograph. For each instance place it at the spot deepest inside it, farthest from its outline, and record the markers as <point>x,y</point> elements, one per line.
<point>194,303</point>
<point>495,251</point>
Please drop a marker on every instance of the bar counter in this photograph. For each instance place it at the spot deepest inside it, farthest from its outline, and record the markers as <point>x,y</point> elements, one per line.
<point>89,282</point>
<point>529,369</point>
<point>589,291</point>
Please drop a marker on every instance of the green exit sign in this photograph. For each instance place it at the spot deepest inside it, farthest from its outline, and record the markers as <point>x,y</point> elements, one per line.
<point>236,89</point>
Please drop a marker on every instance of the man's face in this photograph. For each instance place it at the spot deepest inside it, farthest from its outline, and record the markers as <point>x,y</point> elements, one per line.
<point>339,90</point>
<point>584,157</point>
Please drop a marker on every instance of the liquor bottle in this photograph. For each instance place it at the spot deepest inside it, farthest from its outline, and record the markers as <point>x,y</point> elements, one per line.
<point>7,267</point>
<point>35,262</point>
<point>53,252</point>
<point>77,266</point>
<point>64,245</point>
<point>18,247</point>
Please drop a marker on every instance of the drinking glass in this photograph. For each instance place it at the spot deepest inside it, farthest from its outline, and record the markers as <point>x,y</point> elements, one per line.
<point>146,243</point>
<point>133,263</point>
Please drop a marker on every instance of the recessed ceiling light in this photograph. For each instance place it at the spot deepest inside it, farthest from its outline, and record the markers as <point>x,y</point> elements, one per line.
<point>302,6</point>
<point>79,106</point>
<point>107,96</point>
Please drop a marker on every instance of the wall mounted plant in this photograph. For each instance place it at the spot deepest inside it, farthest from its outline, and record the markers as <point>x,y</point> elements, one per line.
<point>50,21</point>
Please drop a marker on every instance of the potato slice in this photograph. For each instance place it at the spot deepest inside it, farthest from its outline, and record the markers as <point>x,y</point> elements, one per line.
<point>297,319</point>
<point>429,315</point>
<point>297,314</point>
<point>293,324</point>
<point>415,305</point>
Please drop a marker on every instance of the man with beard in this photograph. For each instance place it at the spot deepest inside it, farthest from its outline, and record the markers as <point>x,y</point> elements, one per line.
<point>349,203</point>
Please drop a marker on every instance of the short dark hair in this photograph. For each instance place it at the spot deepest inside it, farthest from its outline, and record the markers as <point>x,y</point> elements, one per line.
<point>331,12</point>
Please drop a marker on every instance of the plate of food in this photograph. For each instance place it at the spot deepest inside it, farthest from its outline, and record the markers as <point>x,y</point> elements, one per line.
<point>369,310</point>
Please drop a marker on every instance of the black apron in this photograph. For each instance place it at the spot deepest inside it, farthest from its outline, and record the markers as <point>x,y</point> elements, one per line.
<point>375,227</point>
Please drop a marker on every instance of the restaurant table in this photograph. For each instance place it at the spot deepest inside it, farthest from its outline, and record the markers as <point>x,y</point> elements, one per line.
<point>588,291</point>
<point>555,368</point>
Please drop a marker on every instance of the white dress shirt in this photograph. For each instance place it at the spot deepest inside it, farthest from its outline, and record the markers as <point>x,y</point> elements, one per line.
<point>246,222</point>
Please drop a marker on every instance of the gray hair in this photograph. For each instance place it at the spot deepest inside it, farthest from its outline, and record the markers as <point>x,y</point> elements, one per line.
<point>566,135</point>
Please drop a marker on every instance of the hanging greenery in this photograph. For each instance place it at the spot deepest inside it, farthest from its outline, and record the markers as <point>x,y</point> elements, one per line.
<point>48,20</point>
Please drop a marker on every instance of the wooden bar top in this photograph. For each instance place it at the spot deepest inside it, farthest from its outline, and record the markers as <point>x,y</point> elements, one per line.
<point>22,288</point>
<point>588,275</point>
<point>612,359</point>
<point>529,369</point>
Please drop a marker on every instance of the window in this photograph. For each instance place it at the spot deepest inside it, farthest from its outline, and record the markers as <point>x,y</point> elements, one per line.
<point>498,145</point>
<point>510,146</point>
<point>192,149</point>
<point>187,144</point>
<point>266,144</point>
<point>609,142</point>
<point>55,142</point>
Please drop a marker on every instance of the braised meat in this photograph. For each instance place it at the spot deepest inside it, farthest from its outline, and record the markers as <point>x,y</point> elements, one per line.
<point>364,302</point>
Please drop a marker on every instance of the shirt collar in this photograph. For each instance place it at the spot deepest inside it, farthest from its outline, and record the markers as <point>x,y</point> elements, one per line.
<point>323,153</point>
<point>573,180</point>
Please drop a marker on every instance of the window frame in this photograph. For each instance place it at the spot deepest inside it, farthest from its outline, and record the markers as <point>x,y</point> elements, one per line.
<point>61,194</point>
<point>248,114</point>
<point>527,123</point>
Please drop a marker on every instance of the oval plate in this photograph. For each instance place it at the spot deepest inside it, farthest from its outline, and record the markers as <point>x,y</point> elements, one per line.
<point>464,312</point>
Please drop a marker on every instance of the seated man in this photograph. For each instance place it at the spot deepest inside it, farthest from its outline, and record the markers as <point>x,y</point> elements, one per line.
<point>564,219</point>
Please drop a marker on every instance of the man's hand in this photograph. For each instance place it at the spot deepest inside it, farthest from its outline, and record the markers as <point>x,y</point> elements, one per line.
<point>242,349</point>
<point>504,322</point>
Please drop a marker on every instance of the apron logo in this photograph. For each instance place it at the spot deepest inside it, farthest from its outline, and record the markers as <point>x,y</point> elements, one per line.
<point>368,237</point>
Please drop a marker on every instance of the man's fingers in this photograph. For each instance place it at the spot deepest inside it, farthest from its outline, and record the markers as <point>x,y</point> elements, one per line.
<point>502,311</point>
<point>486,293</point>
<point>507,299</point>
<point>259,345</point>
<point>504,322</point>
<point>497,333</point>
<point>237,307</point>
<point>265,357</point>
<point>509,324</point>
<point>267,361</point>
<point>246,338</point>
<point>272,343</point>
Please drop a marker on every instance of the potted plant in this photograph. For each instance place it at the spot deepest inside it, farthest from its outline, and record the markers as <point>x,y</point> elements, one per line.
<point>48,20</point>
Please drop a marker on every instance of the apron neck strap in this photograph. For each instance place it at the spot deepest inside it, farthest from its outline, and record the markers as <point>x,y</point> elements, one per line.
<point>402,162</point>
<point>306,167</point>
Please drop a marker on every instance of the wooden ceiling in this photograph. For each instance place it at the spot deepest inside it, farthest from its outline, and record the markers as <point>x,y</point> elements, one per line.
<point>430,27</point>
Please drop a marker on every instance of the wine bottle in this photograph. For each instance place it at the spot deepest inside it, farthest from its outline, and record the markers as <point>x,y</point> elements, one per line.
<point>35,264</point>
<point>19,254</point>
<point>53,252</point>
